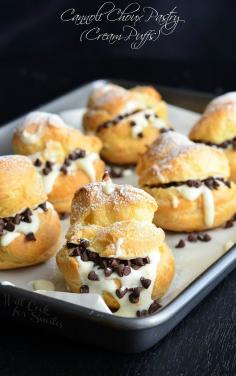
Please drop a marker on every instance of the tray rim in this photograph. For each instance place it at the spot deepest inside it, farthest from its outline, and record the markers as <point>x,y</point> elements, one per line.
<point>223,265</point>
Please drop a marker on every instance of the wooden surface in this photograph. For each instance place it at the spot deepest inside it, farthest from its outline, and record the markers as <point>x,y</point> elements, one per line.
<point>203,344</point>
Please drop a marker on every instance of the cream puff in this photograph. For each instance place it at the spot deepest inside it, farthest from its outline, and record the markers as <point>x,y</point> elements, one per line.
<point>65,158</point>
<point>29,225</point>
<point>125,120</point>
<point>114,250</point>
<point>217,127</point>
<point>190,183</point>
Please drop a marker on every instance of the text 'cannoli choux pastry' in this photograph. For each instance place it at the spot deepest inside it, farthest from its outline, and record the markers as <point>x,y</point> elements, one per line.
<point>65,158</point>
<point>29,226</point>
<point>114,250</point>
<point>125,120</point>
<point>190,183</point>
<point>217,127</point>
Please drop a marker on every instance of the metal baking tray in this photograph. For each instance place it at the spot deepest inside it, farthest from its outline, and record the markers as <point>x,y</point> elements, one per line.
<point>128,335</point>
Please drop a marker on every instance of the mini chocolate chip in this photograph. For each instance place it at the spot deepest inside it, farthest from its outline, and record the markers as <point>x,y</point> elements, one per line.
<point>228,184</point>
<point>46,171</point>
<point>71,245</point>
<point>113,263</point>
<point>234,217</point>
<point>127,270</point>
<point>147,116</point>
<point>120,270</point>
<point>146,260</point>
<point>154,307</point>
<point>108,272</point>
<point>181,244</point>
<point>74,252</point>
<point>84,243</point>
<point>92,276</point>
<point>27,212</point>
<point>30,236</point>
<point>63,169</point>
<point>229,224</point>
<point>140,134</point>
<point>132,123</point>
<point>121,292</point>
<point>135,267</point>
<point>136,291</point>
<point>133,298</point>
<point>142,313</point>
<point>156,116</point>
<point>49,165</point>
<point>67,162</point>
<point>79,153</point>
<point>43,206</point>
<point>64,216</point>
<point>9,226</point>
<point>16,220</point>
<point>145,282</point>
<point>206,238</point>
<point>84,256</point>
<point>92,255</point>
<point>27,218</point>
<point>84,289</point>
<point>1,230</point>
<point>1,221</point>
<point>192,238</point>
<point>138,261</point>
<point>37,163</point>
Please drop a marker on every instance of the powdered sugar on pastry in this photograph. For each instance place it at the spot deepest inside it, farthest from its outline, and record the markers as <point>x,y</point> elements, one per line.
<point>228,99</point>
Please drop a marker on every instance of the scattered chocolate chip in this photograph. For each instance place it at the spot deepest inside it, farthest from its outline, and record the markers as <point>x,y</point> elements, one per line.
<point>132,123</point>
<point>140,134</point>
<point>16,220</point>
<point>133,298</point>
<point>27,212</point>
<point>234,217</point>
<point>164,130</point>
<point>84,256</point>
<point>204,237</point>
<point>156,116</point>
<point>79,153</point>
<point>30,236</point>
<point>63,169</point>
<point>26,218</point>
<point>121,292</point>
<point>229,224</point>
<point>46,171</point>
<point>37,163</point>
<point>92,276</point>
<point>67,162</point>
<point>74,252</point>
<point>108,272</point>
<point>71,245</point>
<point>146,260</point>
<point>9,226</point>
<point>127,270</point>
<point>193,183</point>
<point>84,289</point>
<point>154,307</point>
<point>1,230</point>
<point>145,282</point>
<point>49,165</point>
<point>84,243</point>
<point>135,267</point>
<point>64,216</point>
<point>120,270</point>
<point>181,244</point>
<point>142,313</point>
<point>106,176</point>
<point>43,206</point>
<point>92,255</point>
<point>147,116</point>
<point>192,238</point>
<point>138,261</point>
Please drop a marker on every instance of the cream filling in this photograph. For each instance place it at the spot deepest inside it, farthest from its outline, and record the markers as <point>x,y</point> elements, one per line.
<point>142,122</point>
<point>192,194</point>
<point>23,228</point>
<point>108,187</point>
<point>127,309</point>
<point>86,164</point>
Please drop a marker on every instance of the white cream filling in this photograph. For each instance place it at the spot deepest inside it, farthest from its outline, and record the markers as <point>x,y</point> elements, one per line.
<point>127,309</point>
<point>108,187</point>
<point>86,164</point>
<point>175,202</point>
<point>142,123</point>
<point>192,194</point>
<point>23,227</point>
<point>119,251</point>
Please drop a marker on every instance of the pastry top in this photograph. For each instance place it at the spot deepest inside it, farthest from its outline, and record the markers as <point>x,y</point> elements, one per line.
<point>21,186</point>
<point>218,122</point>
<point>115,103</point>
<point>124,240</point>
<point>40,128</point>
<point>174,158</point>
<point>104,203</point>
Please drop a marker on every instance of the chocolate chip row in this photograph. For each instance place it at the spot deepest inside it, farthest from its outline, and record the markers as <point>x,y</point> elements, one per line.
<point>211,183</point>
<point>109,265</point>
<point>153,308</point>
<point>48,165</point>
<point>223,145</point>
<point>8,224</point>
<point>116,120</point>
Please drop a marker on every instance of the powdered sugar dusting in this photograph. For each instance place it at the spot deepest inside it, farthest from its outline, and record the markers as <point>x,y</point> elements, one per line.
<point>226,100</point>
<point>9,163</point>
<point>39,117</point>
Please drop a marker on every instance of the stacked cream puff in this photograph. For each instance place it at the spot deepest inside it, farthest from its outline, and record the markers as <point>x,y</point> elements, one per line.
<point>65,158</point>
<point>190,182</point>
<point>217,127</point>
<point>125,120</point>
<point>29,225</point>
<point>114,250</point>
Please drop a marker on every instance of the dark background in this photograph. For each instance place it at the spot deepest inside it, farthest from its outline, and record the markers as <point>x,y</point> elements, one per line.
<point>41,58</point>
